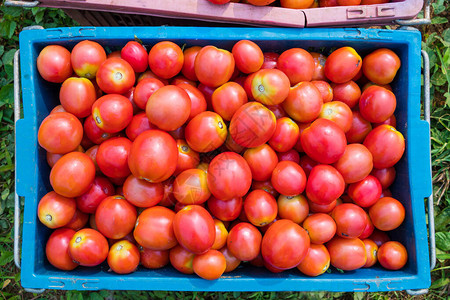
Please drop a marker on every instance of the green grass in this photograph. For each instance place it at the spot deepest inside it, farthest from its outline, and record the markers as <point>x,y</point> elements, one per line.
<point>436,41</point>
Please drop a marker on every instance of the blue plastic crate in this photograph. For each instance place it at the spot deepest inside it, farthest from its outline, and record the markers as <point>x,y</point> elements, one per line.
<point>412,185</point>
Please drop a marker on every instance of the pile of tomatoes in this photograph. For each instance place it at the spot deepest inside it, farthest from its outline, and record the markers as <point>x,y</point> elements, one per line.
<point>303,4</point>
<point>211,158</point>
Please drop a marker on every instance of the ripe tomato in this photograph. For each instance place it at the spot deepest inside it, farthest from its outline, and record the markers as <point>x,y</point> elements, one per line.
<point>209,265</point>
<point>112,113</point>
<point>206,132</point>
<point>377,104</point>
<point>57,249</point>
<point>153,156</point>
<point>181,79</point>
<point>72,175</point>
<point>260,2</point>
<point>139,123</point>
<point>252,125</point>
<point>385,176</point>
<point>381,66</point>
<point>379,237</point>
<point>325,90</point>
<point>221,235</point>
<point>181,259</point>
<point>348,2</point>
<point>351,220</point>
<point>86,58</point>
<point>165,59</point>
<point>269,86</point>
<point>56,211</point>
<point>115,76</point>
<point>244,241</point>
<point>291,155</point>
<point>231,145</point>
<point>100,189</point>
<point>355,164</point>
<point>213,66</point>
<point>232,261</point>
<point>188,69</point>
<point>387,146</point>
<point>198,101</point>
<point>261,160</point>
<point>325,184</point>
<point>347,92</point>
<point>392,121</point>
<point>371,252</point>
<point>296,4</point>
<point>392,255</point>
<point>53,63</point>
<point>359,130</point>
<point>78,221</point>
<point>366,192</point>
<point>247,56</point>
<point>260,207</point>
<point>342,65</point>
<point>294,208</point>
<point>77,96</point>
<point>154,228</point>
<point>321,228</point>
<point>88,247</point>
<point>285,136</point>
<point>115,217</point>
<point>288,178</point>
<point>142,193</point>
<point>324,141</point>
<point>277,110</point>
<point>136,55</point>
<point>270,60</point>
<point>319,65</point>
<point>190,187</point>
<point>60,133</point>
<point>112,157</point>
<point>154,259</point>
<point>387,214</point>
<point>169,107</point>
<point>339,113</point>
<point>187,157</point>
<point>307,163</point>
<point>297,64</point>
<point>94,133</point>
<point>368,230</point>
<point>285,244</point>
<point>347,254</point>
<point>227,99</point>
<point>123,257</point>
<point>316,261</point>
<point>194,229</point>
<point>144,89</point>
<point>225,210</point>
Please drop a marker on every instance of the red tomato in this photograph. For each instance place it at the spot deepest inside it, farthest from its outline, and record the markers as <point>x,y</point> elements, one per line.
<point>198,101</point>
<point>72,175</point>
<point>285,136</point>
<point>377,104</point>
<point>321,228</point>
<point>206,132</point>
<point>244,241</point>
<point>260,207</point>
<point>379,237</point>
<point>387,146</point>
<point>277,110</point>
<point>86,58</point>
<point>392,255</point>
<point>325,90</point>
<point>297,64</point>
<point>144,89</point>
<point>60,133</point>
<point>231,145</point>
<point>94,133</point>
<point>58,108</point>
<point>168,199</point>
<point>347,254</point>
<point>225,210</point>
<point>188,69</point>
<point>190,187</point>
<point>142,193</point>
<point>261,160</point>
<point>288,178</point>
<point>112,157</point>
<point>385,176</point>
<point>150,74</point>
<point>252,125</point>
<point>347,92</point>
<point>99,190</point>
<point>392,121</point>
<point>229,176</point>
<point>285,244</point>
<point>227,99</point>
<point>260,2</point>
<point>136,55</point>
<point>123,257</point>
<point>187,158</point>
<point>371,252</point>
<point>270,60</point>
<point>77,96</point>
<point>154,228</point>
<point>359,130</point>
<point>351,220</point>
<point>369,84</point>
<point>194,229</point>
<point>307,164</point>
<point>214,66</point>
<point>210,265</point>
<point>387,214</point>
<point>324,141</point>
<point>316,261</point>
<point>368,230</point>
<point>57,249</point>
<point>381,66</point>
<point>207,91</point>
<point>221,235</point>
<point>112,113</point>
<point>181,259</point>
<point>327,3</point>
<point>247,56</point>
<point>232,261</point>
<point>294,208</point>
<point>115,217</point>
<point>78,221</point>
<point>339,113</point>
<point>342,65</point>
<point>139,123</point>
<point>88,247</point>
<point>366,192</point>
<point>115,76</point>
<point>355,164</point>
<point>325,184</point>
<point>348,2</point>
<point>56,211</point>
<point>291,155</point>
<point>153,156</point>
<point>319,64</point>
<point>269,86</point>
<point>165,59</point>
<point>180,79</point>
<point>169,107</point>
<point>53,63</point>
<point>296,4</point>
<point>92,153</point>
<point>154,259</point>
